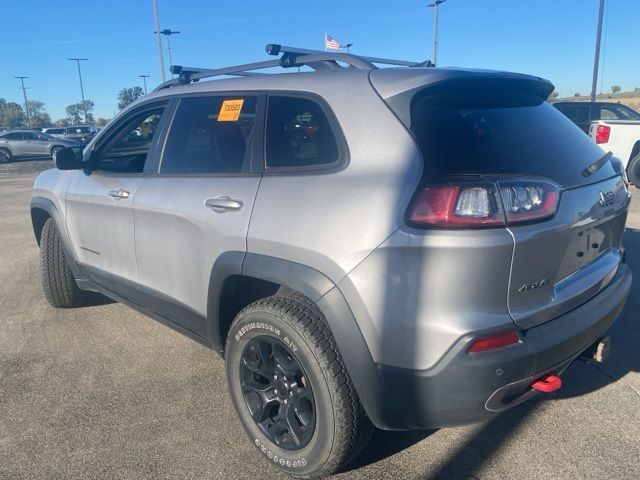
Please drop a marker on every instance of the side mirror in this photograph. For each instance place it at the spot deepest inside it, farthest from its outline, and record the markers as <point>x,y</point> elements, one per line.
<point>69,158</point>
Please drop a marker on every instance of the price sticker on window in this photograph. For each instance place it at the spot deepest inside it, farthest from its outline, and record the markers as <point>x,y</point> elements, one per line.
<point>230,110</point>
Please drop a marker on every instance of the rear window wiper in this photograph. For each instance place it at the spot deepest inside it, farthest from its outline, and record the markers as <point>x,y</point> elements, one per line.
<point>597,165</point>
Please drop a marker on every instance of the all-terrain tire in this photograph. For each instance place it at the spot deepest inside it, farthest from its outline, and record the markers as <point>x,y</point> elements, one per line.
<point>58,283</point>
<point>633,171</point>
<point>342,429</point>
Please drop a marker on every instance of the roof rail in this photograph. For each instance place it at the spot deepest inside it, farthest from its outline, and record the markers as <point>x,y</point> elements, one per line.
<point>291,57</point>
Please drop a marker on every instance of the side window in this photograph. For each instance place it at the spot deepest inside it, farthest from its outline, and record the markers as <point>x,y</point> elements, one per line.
<point>126,151</point>
<point>298,134</point>
<point>613,112</point>
<point>13,136</point>
<point>608,114</point>
<point>210,134</point>
<point>30,136</point>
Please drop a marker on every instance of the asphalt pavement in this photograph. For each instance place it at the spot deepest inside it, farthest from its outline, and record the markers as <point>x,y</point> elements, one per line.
<point>104,392</point>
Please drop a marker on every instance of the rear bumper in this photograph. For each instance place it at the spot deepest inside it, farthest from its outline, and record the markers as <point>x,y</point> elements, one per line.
<point>465,388</point>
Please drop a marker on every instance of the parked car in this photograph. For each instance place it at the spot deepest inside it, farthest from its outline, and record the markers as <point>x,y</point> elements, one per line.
<point>622,138</point>
<point>55,131</point>
<point>362,245</point>
<point>27,143</point>
<point>81,133</point>
<point>583,113</point>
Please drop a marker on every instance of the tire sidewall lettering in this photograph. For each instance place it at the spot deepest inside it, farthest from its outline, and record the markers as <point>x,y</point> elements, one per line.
<point>284,462</point>
<point>265,326</point>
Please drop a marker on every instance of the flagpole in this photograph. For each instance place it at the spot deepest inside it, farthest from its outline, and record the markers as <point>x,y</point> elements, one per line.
<point>325,41</point>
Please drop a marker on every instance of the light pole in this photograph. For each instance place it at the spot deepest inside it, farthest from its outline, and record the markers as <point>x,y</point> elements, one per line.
<point>167,32</point>
<point>435,5</point>
<point>84,105</point>
<point>144,79</point>
<point>347,46</point>
<point>594,83</point>
<point>26,104</point>
<point>156,21</point>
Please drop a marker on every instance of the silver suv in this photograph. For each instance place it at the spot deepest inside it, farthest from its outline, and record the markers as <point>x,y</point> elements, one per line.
<point>28,143</point>
<point>406,247</point>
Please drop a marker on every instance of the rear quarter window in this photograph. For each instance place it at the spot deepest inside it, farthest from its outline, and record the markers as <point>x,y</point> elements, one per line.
<point>299,135</point>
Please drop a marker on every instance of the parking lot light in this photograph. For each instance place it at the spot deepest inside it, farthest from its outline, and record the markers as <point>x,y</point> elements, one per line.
<point>84,105</point>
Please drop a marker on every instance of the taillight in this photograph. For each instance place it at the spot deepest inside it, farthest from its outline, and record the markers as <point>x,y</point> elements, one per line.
<point>528,201</point>
<point>602,133</point>
<point>456,206</point>
<point>495,341</point>
<point>488,204</point>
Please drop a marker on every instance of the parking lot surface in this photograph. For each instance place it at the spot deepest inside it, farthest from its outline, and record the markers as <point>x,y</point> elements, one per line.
<point>104,392</point>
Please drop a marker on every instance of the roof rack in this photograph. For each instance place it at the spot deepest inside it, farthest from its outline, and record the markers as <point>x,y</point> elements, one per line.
<point>291,57</point>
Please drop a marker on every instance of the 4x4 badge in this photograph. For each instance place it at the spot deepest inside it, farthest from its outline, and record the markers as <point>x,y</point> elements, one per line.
<point>532,286</point>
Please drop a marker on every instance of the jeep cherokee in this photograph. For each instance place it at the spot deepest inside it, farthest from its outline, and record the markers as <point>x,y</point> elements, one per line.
<point>391,247</point>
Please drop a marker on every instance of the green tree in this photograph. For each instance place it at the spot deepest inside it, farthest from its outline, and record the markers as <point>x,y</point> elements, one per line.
<point>11,114</point>
<point>128,95</point>
<point>576,95</point>
<point>80,112</point>
<point>101,122</point>
<point>38,116</point>
<point>615,89</point>
<point>61,122</point>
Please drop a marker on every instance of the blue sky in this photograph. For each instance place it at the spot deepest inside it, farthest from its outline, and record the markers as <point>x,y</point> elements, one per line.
<point>549,38</point>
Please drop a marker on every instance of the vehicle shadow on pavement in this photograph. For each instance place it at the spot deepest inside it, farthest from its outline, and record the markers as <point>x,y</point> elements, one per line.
<point>95,299</point>
<point>385,444</point>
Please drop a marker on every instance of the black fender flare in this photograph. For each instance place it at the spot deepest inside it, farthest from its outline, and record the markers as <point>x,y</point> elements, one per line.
<point>332,303</point>
<point>42,203</point>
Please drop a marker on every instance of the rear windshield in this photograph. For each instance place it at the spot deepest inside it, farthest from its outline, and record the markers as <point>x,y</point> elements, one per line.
<point>487,130</point>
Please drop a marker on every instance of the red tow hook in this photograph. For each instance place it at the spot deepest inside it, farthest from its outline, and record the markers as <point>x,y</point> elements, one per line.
<point>548,383</point>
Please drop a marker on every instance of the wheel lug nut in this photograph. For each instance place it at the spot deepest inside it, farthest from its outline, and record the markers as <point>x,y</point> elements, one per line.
<point>291,394</point>
<point>275,392</point>
<point>275,377</point>
<point>285,401</point>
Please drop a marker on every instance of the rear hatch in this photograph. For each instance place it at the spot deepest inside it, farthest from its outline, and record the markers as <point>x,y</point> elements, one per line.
<point>498,128</point>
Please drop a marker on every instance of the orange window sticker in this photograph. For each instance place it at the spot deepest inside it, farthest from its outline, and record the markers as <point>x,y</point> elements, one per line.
<point>230,110</point>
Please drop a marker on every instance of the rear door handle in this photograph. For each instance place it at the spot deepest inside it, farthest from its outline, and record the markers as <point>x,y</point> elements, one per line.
<point>118,193</point>
<point>223,203</point>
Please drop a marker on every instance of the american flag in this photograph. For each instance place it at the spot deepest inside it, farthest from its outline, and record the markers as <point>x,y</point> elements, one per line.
<point>330,42</point>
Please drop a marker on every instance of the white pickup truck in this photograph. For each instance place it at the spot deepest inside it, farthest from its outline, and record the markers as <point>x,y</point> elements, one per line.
<point>622,137</point>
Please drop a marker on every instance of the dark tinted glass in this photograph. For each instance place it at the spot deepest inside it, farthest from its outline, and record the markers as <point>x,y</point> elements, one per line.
<point>298,134</point>
<point>210,135</point>
<point>576,113</point>
<point>502,132</point>
<point>13,136</point>
<point>78,130</point>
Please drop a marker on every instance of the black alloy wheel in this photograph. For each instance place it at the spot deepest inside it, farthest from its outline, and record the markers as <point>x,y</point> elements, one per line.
<point>277,393</point>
